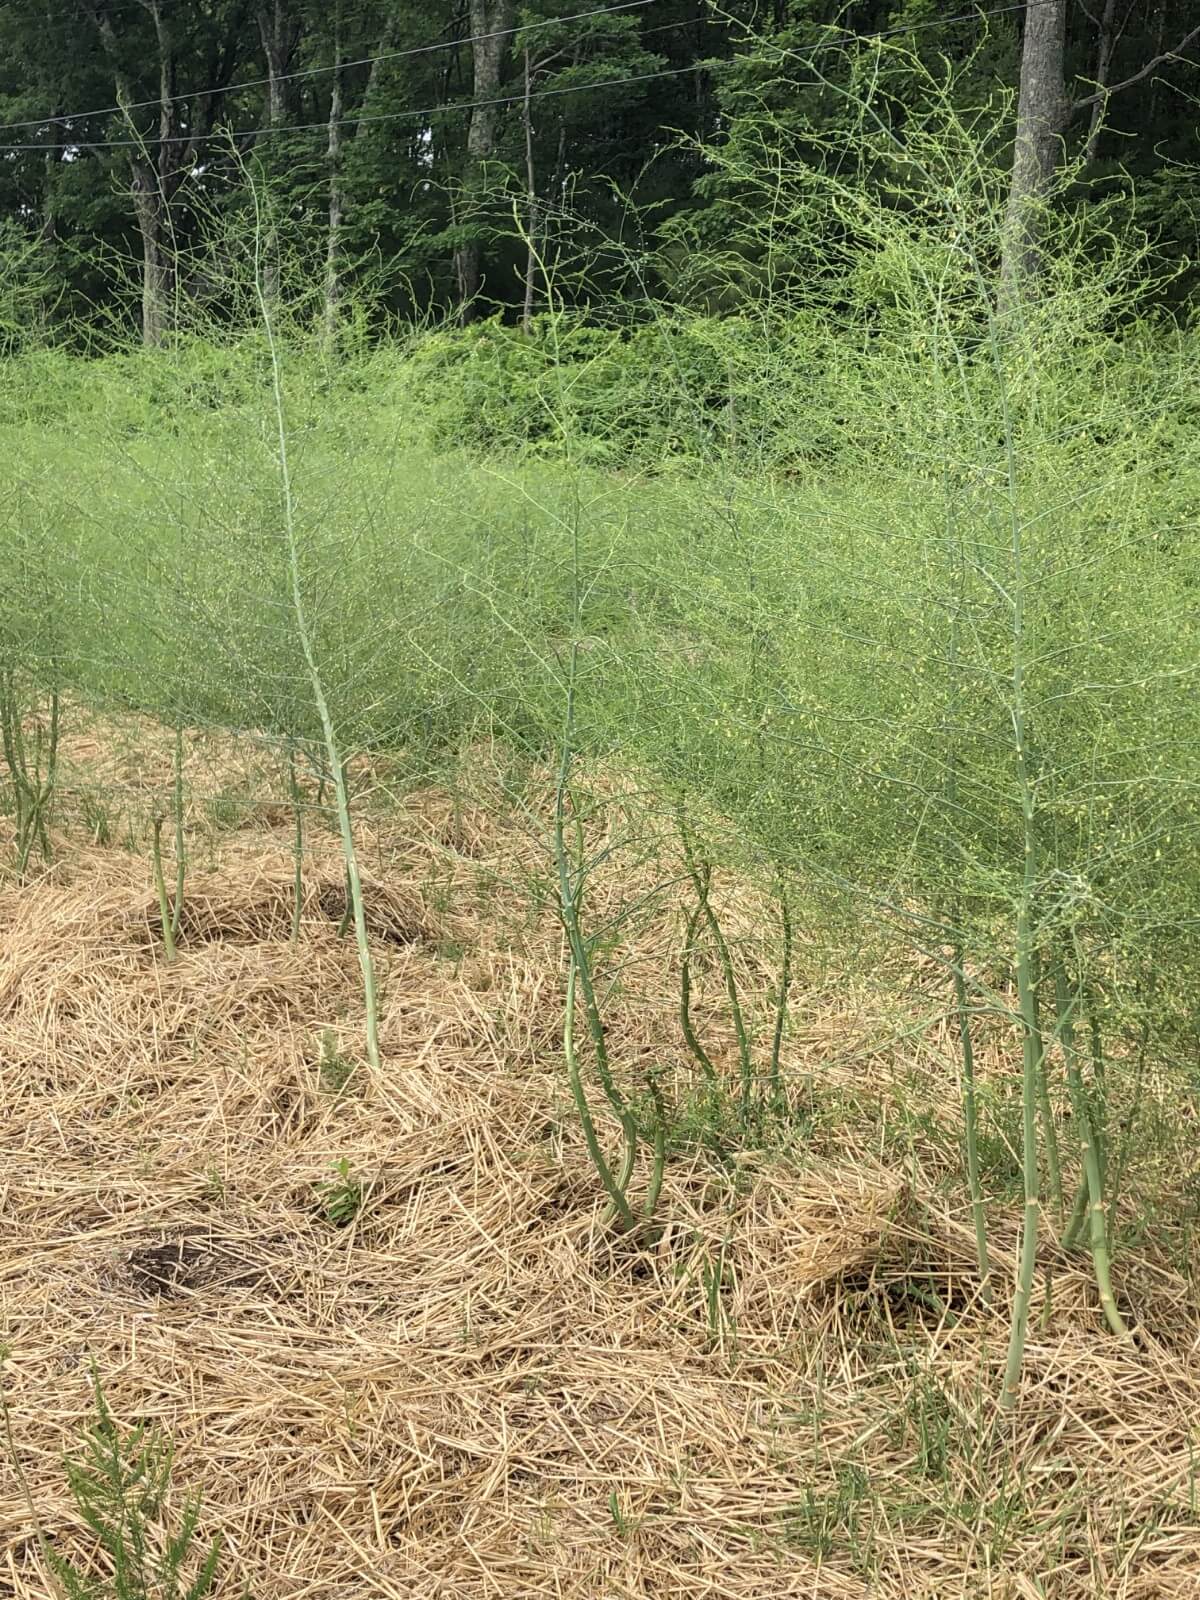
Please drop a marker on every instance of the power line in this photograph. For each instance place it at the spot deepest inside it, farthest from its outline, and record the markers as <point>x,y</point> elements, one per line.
<point>314,72</point>
<point>978,14</point>
<point>421,113</point>
<point>58,118</point>
<point>426,112</point>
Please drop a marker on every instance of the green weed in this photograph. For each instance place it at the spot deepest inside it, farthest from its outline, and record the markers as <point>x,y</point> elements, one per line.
<point>98,820</point>
<point>334,1069</point>
<point>341,1197</point>
<point>825,1522</point>
<point>120,1483</point>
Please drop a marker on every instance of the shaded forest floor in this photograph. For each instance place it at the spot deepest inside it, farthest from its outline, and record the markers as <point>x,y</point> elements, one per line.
<point>467,1387</point>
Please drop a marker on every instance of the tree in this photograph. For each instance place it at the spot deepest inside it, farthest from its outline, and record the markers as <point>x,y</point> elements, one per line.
<point>403,154</point>
<point>1106,29</point>
<point>160,163</point>
<point>333,238</point>
<point>570,64</point>
<point>491,21</point>
<point>280,30</point>
<point>1044,114</point>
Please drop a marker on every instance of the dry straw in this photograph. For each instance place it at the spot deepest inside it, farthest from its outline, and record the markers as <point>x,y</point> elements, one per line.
<point>471,1389</point>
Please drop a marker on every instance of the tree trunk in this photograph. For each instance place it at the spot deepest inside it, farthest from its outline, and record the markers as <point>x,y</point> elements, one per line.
<point>1042,114</point>
<point>158,171</point>
<point>387,43</point>
<point>153,189</point>
<point>1160,34</point>
<point>156,263</point>
<point>1104,55</point>
<point>50,163</point>
<point>155,176</point>
<point>1149,68</point>
<point>489,19</point>
<point>280,35</point>
<point>54,149</point>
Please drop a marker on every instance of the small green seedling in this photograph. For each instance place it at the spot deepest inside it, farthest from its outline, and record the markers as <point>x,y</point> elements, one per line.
<point>341,1196</point>
<point>334,1069</point>
<point>625,1525</point>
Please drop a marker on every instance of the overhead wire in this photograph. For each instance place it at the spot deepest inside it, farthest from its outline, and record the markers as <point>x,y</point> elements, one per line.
<point>419,113</point>
<point>979,13</point>
<point>312,72</point>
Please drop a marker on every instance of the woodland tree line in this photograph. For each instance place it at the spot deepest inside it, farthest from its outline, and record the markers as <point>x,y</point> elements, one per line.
<point>437,156</point>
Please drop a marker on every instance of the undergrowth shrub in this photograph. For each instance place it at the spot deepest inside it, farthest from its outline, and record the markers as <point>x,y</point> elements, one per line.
<point>643,394</point>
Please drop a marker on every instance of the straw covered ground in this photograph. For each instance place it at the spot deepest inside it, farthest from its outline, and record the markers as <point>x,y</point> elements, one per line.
<point>470,1388</point>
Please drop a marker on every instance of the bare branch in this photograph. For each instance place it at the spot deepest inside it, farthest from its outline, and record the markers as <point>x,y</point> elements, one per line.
<point>1156,61</point>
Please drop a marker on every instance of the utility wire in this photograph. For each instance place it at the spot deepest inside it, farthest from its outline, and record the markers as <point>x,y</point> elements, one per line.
<point>425,112</point>
<point>58,118</point>
<point>314,72</point>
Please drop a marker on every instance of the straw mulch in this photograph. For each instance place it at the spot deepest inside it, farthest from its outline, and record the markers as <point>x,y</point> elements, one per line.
<point>474,1389</point>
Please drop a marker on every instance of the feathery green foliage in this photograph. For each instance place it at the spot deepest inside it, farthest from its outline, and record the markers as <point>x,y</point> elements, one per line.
<point>120,1483</point>
<point>889,585</point>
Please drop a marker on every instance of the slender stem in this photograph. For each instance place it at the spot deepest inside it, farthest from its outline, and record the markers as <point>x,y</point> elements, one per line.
<point>40,792</point>
<point>51,761</point>
<point>1047,1302</point>
<point>591,1005</point>
<point>1127,1132</point>
<point>781,999</point>
<point>1031,1049</point>
<point>660,1154</point>
<point>37,828</point>
<point>297,845</point>
<point>1025,941</point>
<point>180,857</point>
<point>300,612</point>
<point>1029,1164</point>
<point>1070,1235</point>
<point>618,1203</point>
<point>579,973</point>
<point>596,1026</point>
<point>1045,1109</point>
<point>624,1176</point>
<point>1097,1231</point>
<point>692,1039</point>
<point>1100,1077</point>
<point>24,791</point>
<point>1079,1209</point>
<point>160,884</point>
<point>701,879</point>
<point>971,1124</point>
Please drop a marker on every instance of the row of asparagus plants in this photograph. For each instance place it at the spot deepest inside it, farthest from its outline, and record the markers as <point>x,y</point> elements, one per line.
<point>947,687</point>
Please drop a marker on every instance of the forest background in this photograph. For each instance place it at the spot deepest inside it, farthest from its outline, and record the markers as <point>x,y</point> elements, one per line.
<point>429,155</point>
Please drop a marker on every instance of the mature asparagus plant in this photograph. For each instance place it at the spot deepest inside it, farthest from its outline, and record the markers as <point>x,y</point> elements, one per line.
<point>952,810</point>
<point>304,633</point>
<point>32,676</point>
